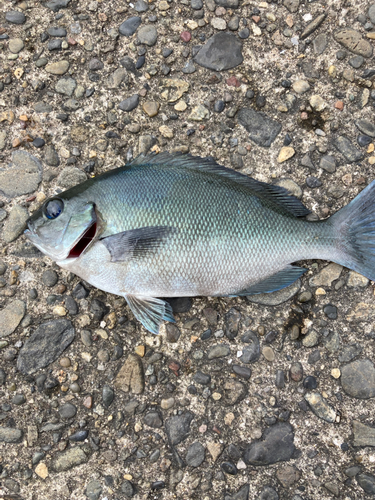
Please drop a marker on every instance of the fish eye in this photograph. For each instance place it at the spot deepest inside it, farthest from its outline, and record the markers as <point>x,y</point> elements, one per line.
<point>53,208</point>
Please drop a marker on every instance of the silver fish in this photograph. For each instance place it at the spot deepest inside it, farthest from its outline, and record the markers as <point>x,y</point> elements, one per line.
<point>181,226</point>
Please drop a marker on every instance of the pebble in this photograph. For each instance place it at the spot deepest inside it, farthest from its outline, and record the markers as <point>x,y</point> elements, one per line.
<point>301,86</point>
<point>285,154</point>
<point>68,459</point>
<point>15,45</point>
<point>58,67</point>
<point>45,345</point>
<point>15,17</point>
<point>320,407</point>
<point>347,149</point>
<point>320,44</point>
<point>10,435</point>
<point>70,176</point>
<point>218,351</point>
<point>221,52</point>
<point>153,419</point>
<point>130,103</point>
<point>352,40</point>
<point>178,427</point>
<point>15,224</point>
<point>268,353</point>
<point>328,163</point>
<point>147,35</point>
<point>130,26</point>
<point>326,276</point>
<point>130,377</point>
<point>22,176</point>
<point>11,316</point>
<point>367,483</point>
<point>366,127</point>
<point>262,129</point>
<point>195,455</point>
<point>151,108</point>
<point>277,444</point>
<point>67,410</point>
<point>296,371</point>
<point>358,379</point>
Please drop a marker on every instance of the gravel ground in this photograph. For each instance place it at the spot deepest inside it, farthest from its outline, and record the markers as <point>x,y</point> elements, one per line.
<point>268,398</point>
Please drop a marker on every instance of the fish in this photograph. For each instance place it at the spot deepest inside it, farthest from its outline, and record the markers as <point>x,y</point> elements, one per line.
<point>169,225</point>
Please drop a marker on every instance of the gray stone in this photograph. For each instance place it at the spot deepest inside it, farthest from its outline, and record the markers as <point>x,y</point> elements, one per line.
<point>153,419</point>
<point>45,345</point>
<point>141,6</point>
<point>68,459</point>
<point>269,493</point>
<point>234,392</point>
<point>56,5</point>
<point>51,157</point>
<point>367,483</point>
<point>70,176</point>
<point>346,148</point>
<point>320,44</point>
<point>130,377</point>
<point>145,143</point>
<point>68,410</point>
<point>130,103</point>
<point>229,4</point>
<point>251,352</point>
<point>218,351</point>
<point>93,490</point>
<point>320,407</point>
<point>22,176</point>
<point>147,35</point>
<point>366,127</point>
<point>71,105</point>
<point>364,435</point>
<point>262,129</point>
<point>66,86</point>
<point>116,78</point>
<point>195,454</point>
<point>356,61</point>
<point>11,316</point>
<point>311,27</point>
<point>234,23</point>
<point>276,445</point>
<point>353,41</point>
<point>221,52</point>
<point>3,136</point>
<point>57,31</point>
<point>358,379</point>
<point>108,395</point>
<point>242,494</point>
<point>291,5</point>
<point>15,45</point>
<point>371,13</point>
<point>15,17</point>
<point>130,26</point>
<point>178,427</point>
<point>328,163</point>
<point>10,435</point>
<point>15,224</point>
<point>350,352</point>
<point>42,107</point>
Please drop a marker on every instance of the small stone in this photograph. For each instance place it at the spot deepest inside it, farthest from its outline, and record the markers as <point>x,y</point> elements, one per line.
<point>221,52</point>
<point>10,435</point>
<point>288,475</point>
<point>262,129</point>
<point>11,316</point>
<point>356,280</point>
<point>218,351</point>
<point>147,35</point>
<point>301,86</point>
<point>326,276</point>
<point>68,459</point>
<point>22,176</point>
<point>195,455</point>
<point>57,68</point>
<point>276,445</point>
<point>178,427</point>
<point>130,103</point>
<point>296,371</point>
<point>70,176</point>
<point>130,378</point>
<point>151,108</point>
<point>41,470</point>
<point>285,154</point>
<point>130,26</point>
<point>320,407</point>
<point>358,379</point>
<point>367,483</point>
<point>353,41</point>
<point>268,353</point>
<point>15,17</point>
<point>15,45</point>
<point>199,113</point>
<point>153,419</point>
<point>328,163</point>
<point>346,148</point>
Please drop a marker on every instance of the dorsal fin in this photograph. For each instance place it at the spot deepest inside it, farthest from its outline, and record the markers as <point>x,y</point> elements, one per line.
<point>275,197</point>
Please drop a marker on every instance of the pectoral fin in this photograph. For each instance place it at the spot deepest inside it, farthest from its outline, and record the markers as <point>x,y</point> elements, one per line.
<point>137,242</point>
<point>277,281</point>
<point>150,311</point>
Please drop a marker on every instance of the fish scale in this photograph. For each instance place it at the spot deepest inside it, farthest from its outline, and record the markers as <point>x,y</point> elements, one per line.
<point>172,226</point>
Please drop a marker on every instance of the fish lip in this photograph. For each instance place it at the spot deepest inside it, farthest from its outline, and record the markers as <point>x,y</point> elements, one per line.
<point>78,240</point>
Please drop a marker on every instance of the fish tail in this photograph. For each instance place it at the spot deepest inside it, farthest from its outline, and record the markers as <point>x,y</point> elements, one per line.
<point>354,226</point>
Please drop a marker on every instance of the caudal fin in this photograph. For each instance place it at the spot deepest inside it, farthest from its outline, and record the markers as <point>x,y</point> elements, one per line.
<point>355,229</point>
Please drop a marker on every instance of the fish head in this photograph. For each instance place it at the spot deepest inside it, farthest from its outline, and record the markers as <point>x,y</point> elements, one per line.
<point>63,227</point>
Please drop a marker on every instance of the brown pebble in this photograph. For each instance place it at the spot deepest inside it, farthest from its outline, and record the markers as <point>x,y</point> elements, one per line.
<point>339,105</point>
<point>65,362</point>
<point>294,333</point>
<point>60,289</point>
<point>16,143</point>
<point>261,330</point>
<point>268,353</point>
<point>75,387</point>
<point>140,350</point>
<point>87,402</point>
<point>151,108</point>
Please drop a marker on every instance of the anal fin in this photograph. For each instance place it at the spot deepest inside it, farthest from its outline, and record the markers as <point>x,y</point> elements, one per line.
<point>150,311</point>
<point>277,281</point>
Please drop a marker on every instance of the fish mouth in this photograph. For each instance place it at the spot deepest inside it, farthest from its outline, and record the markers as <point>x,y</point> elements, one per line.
<point>84,241</point>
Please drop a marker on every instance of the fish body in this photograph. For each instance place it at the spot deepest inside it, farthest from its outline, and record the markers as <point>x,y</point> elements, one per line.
<point>173,226</point>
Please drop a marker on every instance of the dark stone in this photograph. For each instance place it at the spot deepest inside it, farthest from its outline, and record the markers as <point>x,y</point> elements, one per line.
<point>130,103</point>
<point>242,371</point>
<point>15,17</point>
<point>268,493</point>
<point>232,323</point>
<point>98,309</point>
<point>178,427</point>
<point>93,490</point>
<point>242,493</point>
<point>229,468</point>
<point>127,489</point>
<point>95,64</point>
<point>45,345</point>
<point>346,148</point>
<point>276,446</point>
<point>262,129</point>
<point>130,26</point>
<point>56,5</point>
<point>363,140</point>
<point>330,311</point>
<point>38,142</point>
<point>57,32</point>
<point>310,382</point>
<point>280,379</point>
<point>153,419</point>
<point>221,52</point>
<point>80,291</point>
<point>195,455</point>
<point>78,436</point>
<point>367,483</point>
<point>50,278</point>
<point>251,352</point>
<point>365,127</point>
<point>67,410</point>
<point>201,378</point>
<point>108,395</point>
<point>358,379</point>
<point>157,485</point>
<point>71,305</point>
<point>219,106</point>
<point>172,333</point>
<point>313,182</point>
